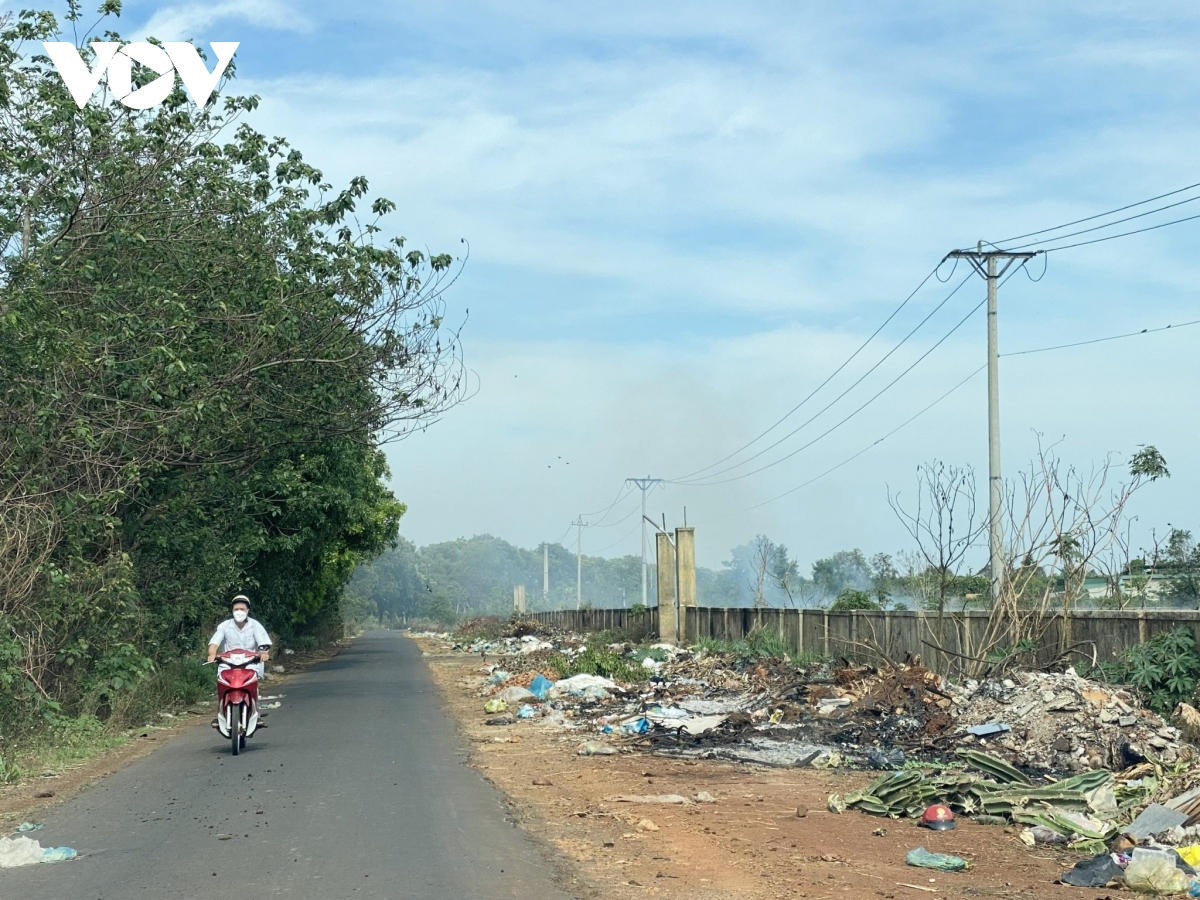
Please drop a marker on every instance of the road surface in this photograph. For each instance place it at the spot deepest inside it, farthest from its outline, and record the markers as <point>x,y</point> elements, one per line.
<point>356,790</point>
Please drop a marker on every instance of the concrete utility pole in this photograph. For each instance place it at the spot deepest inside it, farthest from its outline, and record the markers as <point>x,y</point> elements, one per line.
<point>985,264</point>
<point>645,485</point>
<point>545,576</point>
<point>578,523</point>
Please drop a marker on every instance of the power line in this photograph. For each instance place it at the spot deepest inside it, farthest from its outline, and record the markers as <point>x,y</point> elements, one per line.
<point>873,444</point>
<point>1099,215</point>
<point>1113,237</point>
<point>627,534</point>
<point>623,518</point>
<point>831,376</point>
<point>1142,215</point>
<point>604,512</point>
<point>827,406</point>
<point>1114,337</point>
<point>868,402</point>
<point>926,409</point>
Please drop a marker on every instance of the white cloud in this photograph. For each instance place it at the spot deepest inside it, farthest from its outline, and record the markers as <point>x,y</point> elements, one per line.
<point>188,21</point>
<point>664,170</point>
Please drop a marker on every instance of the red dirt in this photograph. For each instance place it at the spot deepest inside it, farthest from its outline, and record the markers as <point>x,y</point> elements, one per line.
<point>749,844</point>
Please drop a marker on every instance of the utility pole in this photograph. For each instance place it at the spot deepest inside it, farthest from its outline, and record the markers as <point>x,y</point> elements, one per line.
<point>985,264</point>
<point>578,523</point>
<point>645,485</point>
<point>545,576</point>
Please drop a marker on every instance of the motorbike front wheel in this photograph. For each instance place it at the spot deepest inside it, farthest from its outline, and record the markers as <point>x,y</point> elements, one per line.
<point>235,727</point>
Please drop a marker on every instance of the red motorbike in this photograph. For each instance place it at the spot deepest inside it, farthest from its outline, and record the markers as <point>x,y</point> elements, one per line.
<point>237,696</point>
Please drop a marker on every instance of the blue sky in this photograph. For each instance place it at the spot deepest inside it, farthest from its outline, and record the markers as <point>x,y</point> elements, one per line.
<point>682,216</point>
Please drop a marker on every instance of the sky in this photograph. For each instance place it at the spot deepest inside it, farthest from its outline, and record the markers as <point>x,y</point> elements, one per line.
<point>682,217</point>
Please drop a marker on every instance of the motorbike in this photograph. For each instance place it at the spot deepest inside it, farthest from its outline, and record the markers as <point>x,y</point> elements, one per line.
<point>237,696</point>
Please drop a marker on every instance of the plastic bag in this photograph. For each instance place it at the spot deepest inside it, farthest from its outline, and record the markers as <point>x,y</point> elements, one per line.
<point>515,695</point>
<point>19,851</point>
<point>1095,872</point>
<point>495,706</point>
<point>541,684</point>
<point>58,854</point>
<point>1155,872</point>
<point>942,861</point>
<point>1191,855</point>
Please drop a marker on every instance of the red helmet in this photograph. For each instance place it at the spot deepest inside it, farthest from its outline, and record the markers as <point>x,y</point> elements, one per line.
<point>938,817</point>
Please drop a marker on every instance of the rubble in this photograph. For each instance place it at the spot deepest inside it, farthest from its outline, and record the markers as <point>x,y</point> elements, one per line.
<point>1064,723</point>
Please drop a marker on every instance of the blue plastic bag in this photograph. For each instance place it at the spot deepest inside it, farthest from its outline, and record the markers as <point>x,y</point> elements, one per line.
<point>541,684</point>
<point>528,712</point>
<point>941,861</point>
<point>58,854</point>
<point>639,726</point>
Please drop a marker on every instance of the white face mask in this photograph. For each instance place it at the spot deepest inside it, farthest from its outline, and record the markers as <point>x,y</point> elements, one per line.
<point>240,615</point>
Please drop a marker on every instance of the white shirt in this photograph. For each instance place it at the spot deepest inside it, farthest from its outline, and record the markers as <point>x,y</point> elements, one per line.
<point>250,636</point>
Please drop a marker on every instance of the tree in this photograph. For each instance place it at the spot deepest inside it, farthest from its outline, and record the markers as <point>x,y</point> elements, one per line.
<point>1058,521</point>
<point>1181,560</point>
<point>944,525</point>
<point>202,347</point>
<point>846,568</point>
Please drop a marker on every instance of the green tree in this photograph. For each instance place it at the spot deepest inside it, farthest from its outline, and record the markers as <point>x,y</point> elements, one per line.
<point>202,345</point>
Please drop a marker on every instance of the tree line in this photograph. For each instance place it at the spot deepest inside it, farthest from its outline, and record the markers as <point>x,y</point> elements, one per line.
<point>202,345</point>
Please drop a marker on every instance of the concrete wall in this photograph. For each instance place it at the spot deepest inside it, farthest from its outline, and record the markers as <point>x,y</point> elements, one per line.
<point>1092,634</point>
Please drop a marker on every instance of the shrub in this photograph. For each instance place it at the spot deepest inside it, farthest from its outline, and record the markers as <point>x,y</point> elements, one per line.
<point>1165,669</point>
<point>850,599</point>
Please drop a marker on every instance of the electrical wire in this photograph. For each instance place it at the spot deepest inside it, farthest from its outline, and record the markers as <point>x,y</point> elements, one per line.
<point>873,444</point>
<point>879,393</point>
<point>1113,237</point>
<point>869,401</point>
<point>623,537</point>
<point>1070,234</point>
<point>926,409</point>
<point>1114,337</point>
<point>636,508</point>
<point>1020,237</point>
<point>603,513</point>
<point>827,406</point>
<point>831,376</point>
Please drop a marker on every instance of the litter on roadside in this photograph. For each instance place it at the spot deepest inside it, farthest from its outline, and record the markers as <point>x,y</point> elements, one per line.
<point>943,862</point>
<point>23,851</point>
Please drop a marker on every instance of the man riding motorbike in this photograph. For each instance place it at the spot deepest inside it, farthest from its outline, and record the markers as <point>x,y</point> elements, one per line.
<point>240,633</point>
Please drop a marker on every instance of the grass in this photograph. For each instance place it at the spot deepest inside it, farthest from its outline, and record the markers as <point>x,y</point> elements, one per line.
<point>598,659</point>
<point>759,644</point>
<point>103,722</point>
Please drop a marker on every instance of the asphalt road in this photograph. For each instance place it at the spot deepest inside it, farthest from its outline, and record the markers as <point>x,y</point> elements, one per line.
<point>356,790</point>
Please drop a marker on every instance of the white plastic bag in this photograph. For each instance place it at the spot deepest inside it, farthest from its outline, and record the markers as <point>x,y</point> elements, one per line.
<point>19,851</point>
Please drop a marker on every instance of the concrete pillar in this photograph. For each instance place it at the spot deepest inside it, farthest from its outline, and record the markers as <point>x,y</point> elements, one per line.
<point>664,555</point>
<point>519,598</point>
<point>685,568</point>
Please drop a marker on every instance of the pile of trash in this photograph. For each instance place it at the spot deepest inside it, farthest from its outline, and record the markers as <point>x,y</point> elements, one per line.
<point>1072,762</point>
<point>721,705</point>
<point>1062,722</point>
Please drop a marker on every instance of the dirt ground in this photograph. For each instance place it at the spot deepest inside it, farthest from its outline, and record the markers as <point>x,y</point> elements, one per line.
<point>24,800</point>
<point>769,834</point>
